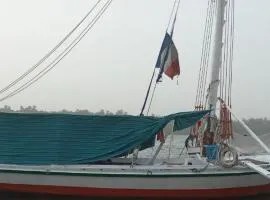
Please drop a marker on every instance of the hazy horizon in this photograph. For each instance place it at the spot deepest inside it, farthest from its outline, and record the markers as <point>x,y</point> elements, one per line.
<point>111,67</point>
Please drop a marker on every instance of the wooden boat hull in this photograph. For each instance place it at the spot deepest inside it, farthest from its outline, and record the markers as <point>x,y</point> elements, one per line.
<point>147,184</point>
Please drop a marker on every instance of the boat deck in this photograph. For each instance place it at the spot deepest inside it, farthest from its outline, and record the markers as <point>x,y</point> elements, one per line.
<point>156,169</point>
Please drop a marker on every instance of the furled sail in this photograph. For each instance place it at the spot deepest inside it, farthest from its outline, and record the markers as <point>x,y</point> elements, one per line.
<point>41,139</point>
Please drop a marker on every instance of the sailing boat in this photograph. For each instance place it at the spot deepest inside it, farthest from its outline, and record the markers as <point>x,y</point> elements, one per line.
<point>86,155</point>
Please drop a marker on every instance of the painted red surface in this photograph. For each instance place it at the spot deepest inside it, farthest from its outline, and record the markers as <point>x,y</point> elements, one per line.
<point>142,193</point>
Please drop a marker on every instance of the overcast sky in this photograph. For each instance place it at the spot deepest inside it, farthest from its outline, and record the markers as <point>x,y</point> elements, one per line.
<point>111,67</point>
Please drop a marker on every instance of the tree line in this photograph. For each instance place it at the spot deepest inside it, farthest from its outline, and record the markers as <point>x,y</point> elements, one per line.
<point>258,125</point>
<point>34,109</point>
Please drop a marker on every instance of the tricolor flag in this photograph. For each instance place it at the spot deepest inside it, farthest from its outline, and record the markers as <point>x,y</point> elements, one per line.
<point>167,60</point>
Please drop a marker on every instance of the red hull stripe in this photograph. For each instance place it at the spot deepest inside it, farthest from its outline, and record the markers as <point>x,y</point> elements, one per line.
<point>144,193</point>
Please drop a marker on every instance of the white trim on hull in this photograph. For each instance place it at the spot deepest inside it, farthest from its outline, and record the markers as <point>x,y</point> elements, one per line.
<point>150,182</point>
<point>171,181</point>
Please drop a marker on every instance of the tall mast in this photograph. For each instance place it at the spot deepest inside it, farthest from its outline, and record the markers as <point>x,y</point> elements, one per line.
<point>216,56</point>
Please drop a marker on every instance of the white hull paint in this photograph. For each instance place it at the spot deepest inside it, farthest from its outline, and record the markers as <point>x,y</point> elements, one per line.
<point>98,180</point>
<point>151,182</point>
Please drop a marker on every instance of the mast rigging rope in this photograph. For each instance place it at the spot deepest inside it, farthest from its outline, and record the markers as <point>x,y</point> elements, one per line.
<point>225,75</point>
<point>49,53</point>
<point>61,56</point>
<point>201,88</point>
<point>175,11</point>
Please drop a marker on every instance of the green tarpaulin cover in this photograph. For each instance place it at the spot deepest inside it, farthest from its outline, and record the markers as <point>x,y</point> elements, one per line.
<point>41,139</point>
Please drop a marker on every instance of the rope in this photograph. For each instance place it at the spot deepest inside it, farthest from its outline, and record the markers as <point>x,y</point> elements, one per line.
<point>200,70</point>
<point>202,57</point>
<point>227,50</point>
<point>223,70</point>
<point>61,56</point>
<point>171,15</point>
<point>205,56</point>
<point>226,73</point>
<point>151,100</point>
<point>231,61</point>
<point>174,11</point>
<point>147,94</point>
<point>208,53</point>
<point>231,51</point>
<point>49,53</point>
<point>175,16</point>
<point>170,146</point>
<point>200,100</point>
<point>167,50</point>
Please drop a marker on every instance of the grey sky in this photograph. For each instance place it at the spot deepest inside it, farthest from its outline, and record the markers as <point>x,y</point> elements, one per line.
<point>112,65</point>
